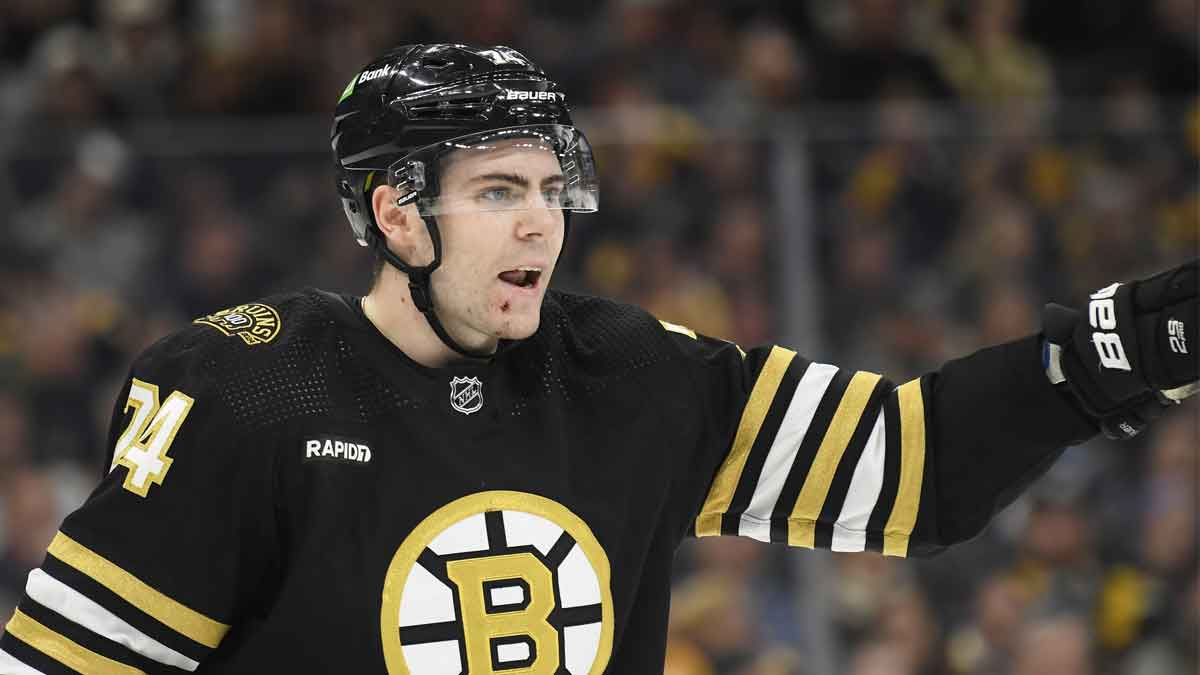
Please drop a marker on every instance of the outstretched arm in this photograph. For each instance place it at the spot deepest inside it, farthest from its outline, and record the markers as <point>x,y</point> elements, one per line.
<point>817,456</point>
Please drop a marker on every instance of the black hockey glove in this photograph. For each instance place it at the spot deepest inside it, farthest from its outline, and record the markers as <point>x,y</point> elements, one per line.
<point>1134,353</point>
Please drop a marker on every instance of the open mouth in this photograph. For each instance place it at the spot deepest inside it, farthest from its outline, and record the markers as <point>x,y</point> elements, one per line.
<point>524,277</point>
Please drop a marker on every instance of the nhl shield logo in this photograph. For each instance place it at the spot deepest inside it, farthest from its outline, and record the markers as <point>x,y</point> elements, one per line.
<point>466,394</point>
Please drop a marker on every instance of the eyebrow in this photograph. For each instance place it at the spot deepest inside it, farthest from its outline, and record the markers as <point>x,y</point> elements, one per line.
<point>517,179</point>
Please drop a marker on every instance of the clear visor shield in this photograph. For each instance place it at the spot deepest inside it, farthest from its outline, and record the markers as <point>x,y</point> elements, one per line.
<point>545,166</point>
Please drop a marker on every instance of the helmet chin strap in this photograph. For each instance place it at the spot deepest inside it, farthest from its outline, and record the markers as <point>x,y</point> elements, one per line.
<point>420,287</point>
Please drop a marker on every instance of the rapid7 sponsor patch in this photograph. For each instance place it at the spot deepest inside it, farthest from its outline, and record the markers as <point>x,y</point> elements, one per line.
<point>336,449</point>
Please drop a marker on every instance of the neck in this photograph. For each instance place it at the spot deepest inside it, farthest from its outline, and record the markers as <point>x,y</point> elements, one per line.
<point>390,307</point>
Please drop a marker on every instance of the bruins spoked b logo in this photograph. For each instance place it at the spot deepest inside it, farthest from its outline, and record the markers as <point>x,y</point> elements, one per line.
<point>498,582</point>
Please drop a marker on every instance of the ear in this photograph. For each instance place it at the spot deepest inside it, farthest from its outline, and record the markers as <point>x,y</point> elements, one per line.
<point>402,227</point>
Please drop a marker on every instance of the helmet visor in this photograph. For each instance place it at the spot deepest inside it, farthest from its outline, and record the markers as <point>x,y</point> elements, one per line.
<point>544,166</point>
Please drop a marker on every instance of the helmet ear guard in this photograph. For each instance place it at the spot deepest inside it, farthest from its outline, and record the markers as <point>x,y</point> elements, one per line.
<point>356,200</point>
<point>357,211</point>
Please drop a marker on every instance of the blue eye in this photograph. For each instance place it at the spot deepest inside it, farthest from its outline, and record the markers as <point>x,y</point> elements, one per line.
<point>553,196</point>
<point>496,194</point>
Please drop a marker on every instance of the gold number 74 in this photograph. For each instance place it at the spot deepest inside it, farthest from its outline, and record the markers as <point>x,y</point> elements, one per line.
<point>143,447</point>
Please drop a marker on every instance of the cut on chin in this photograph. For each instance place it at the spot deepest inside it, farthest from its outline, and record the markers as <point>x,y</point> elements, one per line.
<point>516,313</point>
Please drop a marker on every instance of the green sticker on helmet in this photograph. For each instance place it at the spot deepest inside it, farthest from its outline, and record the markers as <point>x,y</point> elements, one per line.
<point>349,89</point>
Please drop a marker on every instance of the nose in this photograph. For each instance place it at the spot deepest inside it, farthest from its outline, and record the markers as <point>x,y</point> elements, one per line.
<point>538,222</point>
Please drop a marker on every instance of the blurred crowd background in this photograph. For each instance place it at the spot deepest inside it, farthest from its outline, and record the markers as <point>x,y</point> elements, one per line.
<point>883,184</point>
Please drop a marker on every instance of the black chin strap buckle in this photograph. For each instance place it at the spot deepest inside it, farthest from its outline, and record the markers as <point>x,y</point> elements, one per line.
<point>420,288</point>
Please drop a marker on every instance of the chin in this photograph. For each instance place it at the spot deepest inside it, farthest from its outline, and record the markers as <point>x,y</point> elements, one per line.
<point>510,333</point>
<point>518,328</point>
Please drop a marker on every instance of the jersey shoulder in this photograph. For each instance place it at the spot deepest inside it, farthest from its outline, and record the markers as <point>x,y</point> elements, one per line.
<point>602,327</point>
<point>254,357</point>
<point>615,328</point>
<point>251,331</point>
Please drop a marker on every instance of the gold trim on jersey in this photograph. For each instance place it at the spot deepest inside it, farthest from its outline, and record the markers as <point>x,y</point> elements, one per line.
<point>175,615</point>
<point>720,495</point>
<point>253,322</point>
<point>684,330</point>
<point>803,519</point>
<point>63,649</point>
<point>912,470</point>
<point>676,328</point>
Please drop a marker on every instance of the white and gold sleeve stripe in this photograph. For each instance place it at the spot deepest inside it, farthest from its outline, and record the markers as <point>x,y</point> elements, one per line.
<point>175,615</point>
<point>720,494</point>
<point>850,530</point>
<point>803,521</point>
<point>822,458</point>
<point>756,521</point>
<point>71,604</point>
<point>63,649</point>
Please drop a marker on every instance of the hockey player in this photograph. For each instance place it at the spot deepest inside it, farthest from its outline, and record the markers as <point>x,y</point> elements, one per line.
<point>463,472</point>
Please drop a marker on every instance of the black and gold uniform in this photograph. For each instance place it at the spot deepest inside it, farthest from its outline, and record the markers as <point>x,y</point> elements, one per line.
<point>290,493</point>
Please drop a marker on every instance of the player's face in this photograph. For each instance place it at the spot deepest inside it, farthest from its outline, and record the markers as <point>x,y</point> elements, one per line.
<point>498,256</point>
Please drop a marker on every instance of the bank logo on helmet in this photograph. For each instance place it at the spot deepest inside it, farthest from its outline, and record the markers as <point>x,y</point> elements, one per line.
<point>496,582</point>
<point>368,75</point>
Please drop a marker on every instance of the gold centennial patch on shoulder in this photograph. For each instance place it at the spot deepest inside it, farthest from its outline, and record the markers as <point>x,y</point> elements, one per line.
<point>255,323</point>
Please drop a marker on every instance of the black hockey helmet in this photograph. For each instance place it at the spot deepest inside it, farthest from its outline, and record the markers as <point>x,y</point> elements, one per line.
<point>417,103</point>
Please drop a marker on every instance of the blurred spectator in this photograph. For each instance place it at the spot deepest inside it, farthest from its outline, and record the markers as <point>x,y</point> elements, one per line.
<point>684,658</point>
<point>736,254</point>
<point>83,229</point>
<point>144,54</point>
<point>23,21</point>
<point>1170,649</point>
<point>870,51</point>
<point>1009,312</point>
<point>908,623</point>
<point>64,82</point>
<point>880,658</point>
<point>1175,47</point>
<point>904,182</point>
<point>214,253</point>
<point>772,73</point>
<point>269,72</point>
<point>1061,645</point>
<point>715,614</point>
<point>1058,567</point>
<point>31,517</point>
<point>985,646</point>
<point>673,289</point>
<point>987,60</point>
<point>14,435</point>
<point>55,345</point>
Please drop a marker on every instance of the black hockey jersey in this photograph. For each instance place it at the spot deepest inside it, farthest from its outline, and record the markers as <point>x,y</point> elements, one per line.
<point>290,493</point>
